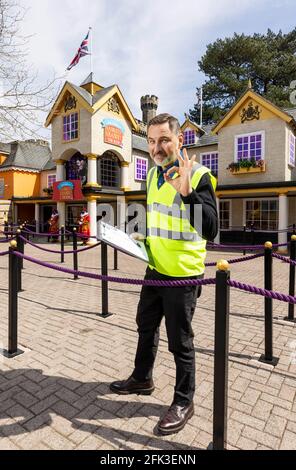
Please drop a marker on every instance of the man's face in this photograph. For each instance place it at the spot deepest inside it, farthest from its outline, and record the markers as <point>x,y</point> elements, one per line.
<point>164,144</point>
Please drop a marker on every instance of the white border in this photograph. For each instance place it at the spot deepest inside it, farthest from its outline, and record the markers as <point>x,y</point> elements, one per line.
<point>236,137</point>
<point>259,199</point>
<point>230,215</point>
<point>135,167</point>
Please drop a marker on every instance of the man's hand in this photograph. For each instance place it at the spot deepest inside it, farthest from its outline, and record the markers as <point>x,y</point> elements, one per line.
<point>182,183</point>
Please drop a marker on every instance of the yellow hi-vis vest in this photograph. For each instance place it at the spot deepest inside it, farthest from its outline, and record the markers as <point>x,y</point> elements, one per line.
<point>178,250</point>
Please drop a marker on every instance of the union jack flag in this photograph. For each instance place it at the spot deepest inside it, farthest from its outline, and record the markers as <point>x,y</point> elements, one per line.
<point>82,51</point>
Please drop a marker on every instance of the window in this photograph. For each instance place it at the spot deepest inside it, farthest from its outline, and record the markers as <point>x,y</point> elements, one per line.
<point>262,213</point>
<point>141,168</point>
<point>250,146</point>
<point>76,168</point>
<point>292,150</point>
<point>224,214</point>
<point>70,127</point>
<point>110,170</point>
<point>50,180</point>
<point>210,160</point>
<point>189,137</point>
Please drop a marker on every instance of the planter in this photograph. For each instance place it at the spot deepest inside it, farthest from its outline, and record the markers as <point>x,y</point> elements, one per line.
<point>242,170</point>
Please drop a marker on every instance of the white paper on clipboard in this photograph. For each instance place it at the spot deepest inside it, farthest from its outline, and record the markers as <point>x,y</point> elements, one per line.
<point>122,241</point>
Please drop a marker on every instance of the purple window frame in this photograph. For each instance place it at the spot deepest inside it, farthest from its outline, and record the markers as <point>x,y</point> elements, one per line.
<point>50,180</point>
<point>70,127</point>
<point>292,150</point>
<point>249,146</point>
<point>189,137</point>
<point>141,168</point>
<point>210,160</point>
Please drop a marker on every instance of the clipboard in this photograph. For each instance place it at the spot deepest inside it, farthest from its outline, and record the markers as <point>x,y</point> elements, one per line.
<point>123,242</point>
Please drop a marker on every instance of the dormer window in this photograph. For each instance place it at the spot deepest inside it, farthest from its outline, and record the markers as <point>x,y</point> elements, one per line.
<point>189,137</point>
<point>70,127</point>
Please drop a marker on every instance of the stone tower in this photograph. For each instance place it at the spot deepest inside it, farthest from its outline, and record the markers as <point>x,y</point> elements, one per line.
<point>149,106</point>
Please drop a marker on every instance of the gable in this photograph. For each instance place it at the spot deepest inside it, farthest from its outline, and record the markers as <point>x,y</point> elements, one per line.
<point>251,107</point>
<point>70,98</point>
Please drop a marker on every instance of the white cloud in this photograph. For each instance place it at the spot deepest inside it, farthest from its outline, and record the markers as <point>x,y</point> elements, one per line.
<point>149,47</point>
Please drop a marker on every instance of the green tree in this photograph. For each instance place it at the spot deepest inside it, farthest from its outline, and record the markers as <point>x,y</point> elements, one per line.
<point>269,60</point>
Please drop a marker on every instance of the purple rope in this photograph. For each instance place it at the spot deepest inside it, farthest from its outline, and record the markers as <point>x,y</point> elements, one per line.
<point>283,258</point>
<point>122,280</point>
<point>246,247</point>
<point>238,260</point>
<point>49,234</point>
<point>3,253</point>
<point>264,292</point>
<point>59,252</point>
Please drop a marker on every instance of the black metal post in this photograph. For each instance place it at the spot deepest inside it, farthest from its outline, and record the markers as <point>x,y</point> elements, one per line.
<point>21,246</point>
<point>75,254</point>
<point>290,316</point>
<point>294,229</point>
<point>252,234</point>
<point>19,260</point>
<point>268,327</point>
<point>12,349</point>
<point>115,264</point>
<point>221,356</point>
<point>244,239</point>
<point>104,284</point>
<point>62,244</point>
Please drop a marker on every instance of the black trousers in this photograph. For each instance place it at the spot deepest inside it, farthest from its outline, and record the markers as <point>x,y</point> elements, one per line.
<point>177,305</point>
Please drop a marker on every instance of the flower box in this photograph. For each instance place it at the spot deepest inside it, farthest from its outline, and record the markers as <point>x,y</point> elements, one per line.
<point>243,170</point>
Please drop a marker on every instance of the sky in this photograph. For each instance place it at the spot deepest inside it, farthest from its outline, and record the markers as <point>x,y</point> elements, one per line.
<point>149,47</point>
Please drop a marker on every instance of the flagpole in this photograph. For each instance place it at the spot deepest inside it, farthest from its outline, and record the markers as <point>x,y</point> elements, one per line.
<point>91,49</point>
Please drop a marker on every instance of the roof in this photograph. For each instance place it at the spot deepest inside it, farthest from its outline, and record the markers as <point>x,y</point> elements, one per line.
<point>4,148</point>
<point>29,154</point>
<point>139,143</point>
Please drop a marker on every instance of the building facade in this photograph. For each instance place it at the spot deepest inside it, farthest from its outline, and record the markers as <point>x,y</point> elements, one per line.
<point>252,152</point>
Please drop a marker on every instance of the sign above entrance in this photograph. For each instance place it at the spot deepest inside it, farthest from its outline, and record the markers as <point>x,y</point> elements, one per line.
<point>113,132</point>
<point>67,191</point>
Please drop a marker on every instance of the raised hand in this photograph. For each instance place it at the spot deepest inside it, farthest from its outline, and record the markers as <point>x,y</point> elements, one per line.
<point>181,183</point>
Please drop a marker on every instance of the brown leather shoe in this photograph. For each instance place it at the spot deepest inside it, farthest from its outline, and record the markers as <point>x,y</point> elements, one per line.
<point>125,387</point>
<point>175,418</point>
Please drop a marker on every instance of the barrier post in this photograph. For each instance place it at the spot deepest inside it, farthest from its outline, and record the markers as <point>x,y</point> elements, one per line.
<point>115,260</point>
<point>21,246</point>
<point>104,272</point>
<point>252,234</point>
<point>19,266</point>
<point>290,316</point>
<point>75,254</point>
<point>12,349</point>
<point>221,356</point>
<point>62,244</point>
<point>268,327</point>
<point>294,229</point>
<point>244,239</point>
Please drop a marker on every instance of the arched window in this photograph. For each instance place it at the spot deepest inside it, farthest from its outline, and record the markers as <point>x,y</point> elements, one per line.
<point>76,168</point>
<point>109,170</point>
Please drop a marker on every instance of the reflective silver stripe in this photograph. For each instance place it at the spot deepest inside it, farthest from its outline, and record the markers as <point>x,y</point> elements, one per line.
<point>173,210</point>
<point>172,235</point>
<point>150,177</point>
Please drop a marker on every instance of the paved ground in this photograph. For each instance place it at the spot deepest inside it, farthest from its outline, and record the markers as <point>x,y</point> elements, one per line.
<point>56,395</point>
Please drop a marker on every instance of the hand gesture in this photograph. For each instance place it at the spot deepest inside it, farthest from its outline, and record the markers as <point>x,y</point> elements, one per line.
<point>182,183</point>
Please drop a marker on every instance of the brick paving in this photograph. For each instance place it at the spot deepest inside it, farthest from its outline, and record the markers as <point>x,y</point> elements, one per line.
<point>56,395</point>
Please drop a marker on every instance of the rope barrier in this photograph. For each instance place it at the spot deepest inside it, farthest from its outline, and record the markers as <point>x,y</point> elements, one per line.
<point>150,282</point>
<point>264,292</point>
<point>3,253</point>
<point>238,260</point>
<point>283,258</point>
<point>245,247</point>
<point>59,252</point>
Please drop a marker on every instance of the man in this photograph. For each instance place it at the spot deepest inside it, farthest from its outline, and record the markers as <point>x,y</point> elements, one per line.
<point>179,253</point>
